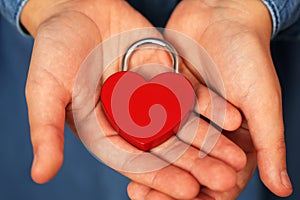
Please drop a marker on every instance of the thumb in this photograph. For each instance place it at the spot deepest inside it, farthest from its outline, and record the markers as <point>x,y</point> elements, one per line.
<point>264,116</point>
<point>54,63</point>
<point>46,109</point>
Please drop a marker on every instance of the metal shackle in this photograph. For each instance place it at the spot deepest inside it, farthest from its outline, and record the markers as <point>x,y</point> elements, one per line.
<point>155,41</point>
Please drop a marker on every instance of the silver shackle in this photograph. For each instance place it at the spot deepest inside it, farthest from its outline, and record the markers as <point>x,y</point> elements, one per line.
<point>155,41</point>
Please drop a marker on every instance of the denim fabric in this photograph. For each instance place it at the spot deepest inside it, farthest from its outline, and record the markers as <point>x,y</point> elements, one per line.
<point>11,10</point>
<point>284,13</point>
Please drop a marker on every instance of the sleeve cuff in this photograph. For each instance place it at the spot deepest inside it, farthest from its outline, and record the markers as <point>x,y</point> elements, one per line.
<point>274,12</point>
<point>20,28</point>
<point>283,12</point>
<point>11,10</point>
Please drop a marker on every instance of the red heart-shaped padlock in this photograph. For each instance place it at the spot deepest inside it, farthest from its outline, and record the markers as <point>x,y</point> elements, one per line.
<point>147,113</point>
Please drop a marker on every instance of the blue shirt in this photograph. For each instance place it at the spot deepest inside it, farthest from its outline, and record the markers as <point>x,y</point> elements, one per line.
<point>284,12</point>
<point>11,10</point>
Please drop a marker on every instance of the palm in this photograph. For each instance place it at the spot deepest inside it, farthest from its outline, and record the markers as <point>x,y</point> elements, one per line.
<point>233,46</point>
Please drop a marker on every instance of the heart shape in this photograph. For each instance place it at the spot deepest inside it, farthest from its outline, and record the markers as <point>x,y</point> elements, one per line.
<point>147,113</point>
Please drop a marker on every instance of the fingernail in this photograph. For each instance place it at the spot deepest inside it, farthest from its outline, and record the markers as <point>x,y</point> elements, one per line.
<point>285,180</point>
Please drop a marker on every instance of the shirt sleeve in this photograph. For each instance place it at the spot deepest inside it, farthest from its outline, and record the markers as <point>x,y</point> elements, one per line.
<point>284,13</point>
<point>11,10</point>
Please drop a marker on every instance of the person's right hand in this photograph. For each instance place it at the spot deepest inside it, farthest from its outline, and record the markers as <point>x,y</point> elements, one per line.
<point>65,32</point>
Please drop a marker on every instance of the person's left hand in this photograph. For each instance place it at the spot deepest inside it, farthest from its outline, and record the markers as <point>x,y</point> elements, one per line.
<point>236,34</point>
<point>240,137</point>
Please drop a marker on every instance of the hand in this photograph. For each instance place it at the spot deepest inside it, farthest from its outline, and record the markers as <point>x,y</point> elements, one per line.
<point>65,32</point>
<point>242,138</point>
<point>236,34</point>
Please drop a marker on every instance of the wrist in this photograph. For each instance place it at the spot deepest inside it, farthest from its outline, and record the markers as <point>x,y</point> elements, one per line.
<point>35,12</point>
<point>253,15</point>
<point>261,19</point>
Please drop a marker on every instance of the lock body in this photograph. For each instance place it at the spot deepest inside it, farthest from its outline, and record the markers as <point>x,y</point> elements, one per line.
<point>147,113</point>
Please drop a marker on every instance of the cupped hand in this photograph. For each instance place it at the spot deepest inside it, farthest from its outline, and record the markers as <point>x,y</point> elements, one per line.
<point>65,32</point>
<point>236,34</point>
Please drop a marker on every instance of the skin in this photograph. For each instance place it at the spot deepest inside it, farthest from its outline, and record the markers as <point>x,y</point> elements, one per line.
<point>59,28</point>
<point>241,53</point>
<point>236,35</point>
<point>240,137</point>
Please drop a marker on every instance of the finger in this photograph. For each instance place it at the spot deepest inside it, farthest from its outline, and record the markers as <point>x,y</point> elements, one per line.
<point>46,110</point>
<point>268,139</point>
<point>212,142</point>
<point>156,195</point>
<point>211,105</point>
<point>138,191</point>
<point>244,177</point>
<point>203,196</point>
<point>242,138</point>
<point>214,107</point>
<point>170,180</point>
<point>209,171</point>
